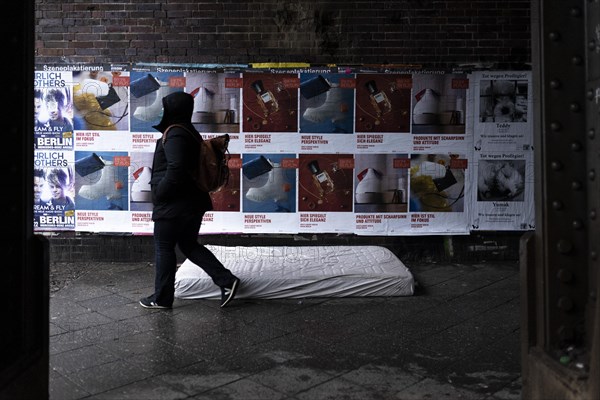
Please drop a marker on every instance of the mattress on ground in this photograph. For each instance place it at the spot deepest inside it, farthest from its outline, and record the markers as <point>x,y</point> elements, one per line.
<point>300,272</point>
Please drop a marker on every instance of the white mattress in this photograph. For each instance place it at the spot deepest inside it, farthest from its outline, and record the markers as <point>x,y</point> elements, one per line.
<point>277,272</point>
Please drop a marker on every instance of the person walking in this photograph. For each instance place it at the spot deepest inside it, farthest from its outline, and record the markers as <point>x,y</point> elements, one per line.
<point>179,206</point>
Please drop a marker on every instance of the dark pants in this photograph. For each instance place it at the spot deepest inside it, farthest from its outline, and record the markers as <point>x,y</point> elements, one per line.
<point>182,231</point>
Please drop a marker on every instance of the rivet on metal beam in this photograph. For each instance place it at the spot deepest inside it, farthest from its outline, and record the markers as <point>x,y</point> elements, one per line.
<point>564,246</point>
<point>593,255</point>
<point>564,275</point>
<point>577,224</point>
<point>592,174</point>
<point>565,303</point>
<point>575,107</point>
<point>576,185</point>
<point>590,94</point>
<point>555,84</point>
<point>575,12</point>
<point>554,36</point>
<point>557,205</point>
<point>556,165</point>
<point>565,333</point>
<point>591,133</point>
<point>592,45</point>
<point>576,60</point>
<point>576,146</point>
<point>593,215</point>
<point>555,126</point>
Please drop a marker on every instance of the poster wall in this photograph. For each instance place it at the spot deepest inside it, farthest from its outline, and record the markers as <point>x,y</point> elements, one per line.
<point>503,151</point>
<point>315,150</point>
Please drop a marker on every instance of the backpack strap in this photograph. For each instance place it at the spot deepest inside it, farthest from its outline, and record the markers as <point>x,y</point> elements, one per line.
<point>164,137</point>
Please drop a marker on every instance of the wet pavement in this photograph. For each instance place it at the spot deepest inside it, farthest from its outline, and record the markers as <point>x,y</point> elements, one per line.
<point>456,338</point>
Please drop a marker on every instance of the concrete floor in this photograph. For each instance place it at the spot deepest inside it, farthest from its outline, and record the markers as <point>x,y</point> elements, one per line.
<point>456,338</point>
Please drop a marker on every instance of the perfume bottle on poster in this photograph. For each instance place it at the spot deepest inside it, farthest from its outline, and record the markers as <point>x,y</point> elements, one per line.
<point>379,99</point>
<point>321,179</point>
<point>266,100</point>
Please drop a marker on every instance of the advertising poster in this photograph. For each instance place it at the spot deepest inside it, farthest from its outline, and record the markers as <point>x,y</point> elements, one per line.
<point>382,112</point>
<point>53,191</point>
<point>101,100</point>
<point>312,150</point>
<point>217,99</point>
<point>140,197</point>
<point>53,110</point>
<point>438,186</point>
<point>102,190</point>
<point>327,112</point>
<point>380,192</point>
<point>327,103</point>
<point>439,119</point>
<point>147,89</point>
<point>140,172</point>
<point>325,192</point>
<point>269,187</point>
<point>101,109</point>
<point>270,102</point>
<point>269,183</point>
<point>270,112</point>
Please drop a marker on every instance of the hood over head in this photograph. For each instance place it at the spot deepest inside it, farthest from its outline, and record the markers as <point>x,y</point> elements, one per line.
<point>178,108</point>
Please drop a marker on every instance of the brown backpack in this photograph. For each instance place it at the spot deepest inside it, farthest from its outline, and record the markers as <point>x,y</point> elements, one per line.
<point>212,172</point>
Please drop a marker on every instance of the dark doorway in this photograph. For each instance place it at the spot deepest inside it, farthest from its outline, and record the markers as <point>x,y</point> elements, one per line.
<point>24,337</point>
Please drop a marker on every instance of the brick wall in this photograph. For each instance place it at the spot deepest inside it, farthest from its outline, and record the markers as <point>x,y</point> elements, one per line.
<point>500,246</point>
<point>430,33</point>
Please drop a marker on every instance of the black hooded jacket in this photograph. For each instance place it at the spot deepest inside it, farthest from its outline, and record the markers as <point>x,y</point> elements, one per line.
<point>174,193</point>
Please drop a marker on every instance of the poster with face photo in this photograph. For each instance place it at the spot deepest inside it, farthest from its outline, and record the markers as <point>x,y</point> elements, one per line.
<point>53,191</point>
<point>53,110</point>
